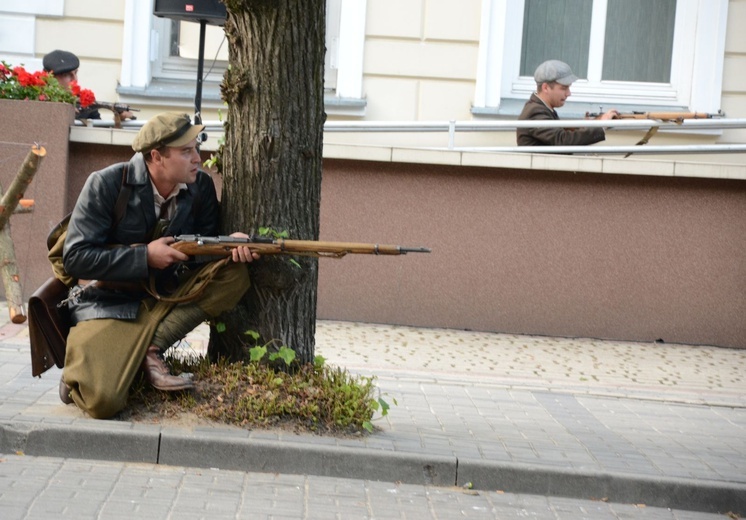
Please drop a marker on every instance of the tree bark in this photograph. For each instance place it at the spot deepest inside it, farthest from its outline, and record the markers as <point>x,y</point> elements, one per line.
<point>271,163</point>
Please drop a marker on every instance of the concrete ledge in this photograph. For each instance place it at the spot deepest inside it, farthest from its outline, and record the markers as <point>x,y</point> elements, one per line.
<point>70,441</point>
<point>663,166</point>
<point>674,493</point>
<point>286,457</point>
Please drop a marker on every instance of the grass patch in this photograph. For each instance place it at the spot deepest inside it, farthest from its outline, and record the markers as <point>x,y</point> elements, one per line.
<point>258,394</point>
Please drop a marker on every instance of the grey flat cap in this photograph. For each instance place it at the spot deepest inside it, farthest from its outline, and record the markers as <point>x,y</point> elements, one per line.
<point>555,70</point>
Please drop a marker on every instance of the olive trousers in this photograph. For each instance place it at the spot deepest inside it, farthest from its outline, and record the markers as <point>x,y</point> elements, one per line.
<point>104,355</point>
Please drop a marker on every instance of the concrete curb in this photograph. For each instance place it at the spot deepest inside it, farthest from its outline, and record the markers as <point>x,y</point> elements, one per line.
<point>302,458</point>
<point>176,447</point>
<point>673,493</point>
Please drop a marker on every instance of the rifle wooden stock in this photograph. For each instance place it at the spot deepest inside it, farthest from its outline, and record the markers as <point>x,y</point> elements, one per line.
<point>221,246</point>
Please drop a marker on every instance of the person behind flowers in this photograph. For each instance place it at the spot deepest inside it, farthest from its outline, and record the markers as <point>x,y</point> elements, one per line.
<point>64,65</point>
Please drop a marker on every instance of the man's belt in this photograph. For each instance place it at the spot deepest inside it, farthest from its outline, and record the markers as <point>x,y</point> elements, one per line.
<point>132,287</point>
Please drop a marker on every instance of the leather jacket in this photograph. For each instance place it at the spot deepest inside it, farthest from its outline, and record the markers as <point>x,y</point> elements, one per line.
<point>536,109</point>
<point>95,251</point>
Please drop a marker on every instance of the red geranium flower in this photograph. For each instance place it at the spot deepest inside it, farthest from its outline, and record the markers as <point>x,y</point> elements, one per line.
<point>87,98</point>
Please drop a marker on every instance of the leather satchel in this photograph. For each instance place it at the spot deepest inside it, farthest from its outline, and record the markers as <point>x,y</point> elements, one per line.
<point>48,326</point>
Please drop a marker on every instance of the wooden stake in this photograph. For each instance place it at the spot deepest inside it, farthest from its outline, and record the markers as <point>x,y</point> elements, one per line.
<point>22,179</point>
<point>11,278</point>
<point>8,205</point>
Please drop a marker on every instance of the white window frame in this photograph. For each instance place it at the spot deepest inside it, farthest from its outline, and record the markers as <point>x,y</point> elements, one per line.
<point>696,68</point>
<point>142,43</point>
<point>168,67</point>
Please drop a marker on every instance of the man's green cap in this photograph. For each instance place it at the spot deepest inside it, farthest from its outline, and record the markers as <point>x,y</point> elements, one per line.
<point>166,129</point>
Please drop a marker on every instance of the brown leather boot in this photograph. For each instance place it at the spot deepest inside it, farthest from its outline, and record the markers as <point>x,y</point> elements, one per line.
<point>158,375</point>
<point>65,392</point>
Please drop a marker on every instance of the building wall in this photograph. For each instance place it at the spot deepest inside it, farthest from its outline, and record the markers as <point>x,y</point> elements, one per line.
<point>538,252</point>
<point>734,73</point>
<point>24,123</point>
<point>89,28</point>
<point>619,256</point>
<point>419,64</point>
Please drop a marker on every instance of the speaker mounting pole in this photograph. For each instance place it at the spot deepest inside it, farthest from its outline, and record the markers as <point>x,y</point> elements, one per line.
<point>200,68</point>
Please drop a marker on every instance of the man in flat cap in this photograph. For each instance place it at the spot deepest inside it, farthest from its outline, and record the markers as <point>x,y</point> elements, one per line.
<point>553,79</point>
<point>118,244</point>
<point>64,65</point>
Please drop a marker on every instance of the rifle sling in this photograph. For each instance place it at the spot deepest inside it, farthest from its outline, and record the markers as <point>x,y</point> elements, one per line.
<point>195,292</point>
<point>650,133</point>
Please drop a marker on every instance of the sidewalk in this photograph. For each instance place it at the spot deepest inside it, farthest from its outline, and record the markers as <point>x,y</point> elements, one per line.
<point>659,424</point>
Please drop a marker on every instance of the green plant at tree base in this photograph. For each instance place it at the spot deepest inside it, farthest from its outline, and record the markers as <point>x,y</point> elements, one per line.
<point>314,397</point>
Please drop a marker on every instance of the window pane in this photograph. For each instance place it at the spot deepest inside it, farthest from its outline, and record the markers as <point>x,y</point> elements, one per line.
<point>556,30</point>
<point>639,40</point>
<point>188,42</point>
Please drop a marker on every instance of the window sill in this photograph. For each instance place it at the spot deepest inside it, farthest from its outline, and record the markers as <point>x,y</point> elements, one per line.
<point>166,92</point>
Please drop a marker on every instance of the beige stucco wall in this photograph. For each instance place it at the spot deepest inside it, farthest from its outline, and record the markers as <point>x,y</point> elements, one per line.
<point>420,64</point>
<point>734,73</point>
<point>92,30</point>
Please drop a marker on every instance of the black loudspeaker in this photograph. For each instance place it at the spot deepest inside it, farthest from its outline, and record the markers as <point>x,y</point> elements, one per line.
<point>210,11</point>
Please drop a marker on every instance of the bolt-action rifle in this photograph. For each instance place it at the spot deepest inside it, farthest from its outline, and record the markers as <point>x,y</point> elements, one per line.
<point>197,245</point>
<point>222,246</point>
<point>675,117</point>
<point>116,108</point>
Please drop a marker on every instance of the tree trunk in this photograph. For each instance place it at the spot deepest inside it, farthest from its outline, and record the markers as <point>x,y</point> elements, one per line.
<point>272,164</point>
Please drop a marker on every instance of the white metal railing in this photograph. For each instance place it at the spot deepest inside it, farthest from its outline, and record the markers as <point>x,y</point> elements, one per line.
<point>452,128</point>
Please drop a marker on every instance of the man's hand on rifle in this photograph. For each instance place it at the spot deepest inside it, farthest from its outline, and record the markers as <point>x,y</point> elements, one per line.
<point>610,114</point>
<point>162,255</point>
<point>243,253</point>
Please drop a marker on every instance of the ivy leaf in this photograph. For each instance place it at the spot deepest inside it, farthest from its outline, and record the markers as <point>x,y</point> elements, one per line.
<point>287,354</point>
<point>384,407</point>
<point>257,353</point>
<point>253,334</point>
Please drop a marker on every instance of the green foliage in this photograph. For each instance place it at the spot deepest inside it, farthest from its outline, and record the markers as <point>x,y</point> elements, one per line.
<point>314,396</point>
<point>269,232</point>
